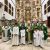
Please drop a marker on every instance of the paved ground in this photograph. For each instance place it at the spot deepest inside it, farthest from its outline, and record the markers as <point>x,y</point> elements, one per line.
<point>8,46</point>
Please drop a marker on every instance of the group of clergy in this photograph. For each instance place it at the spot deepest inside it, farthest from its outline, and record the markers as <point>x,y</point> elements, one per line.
<point>27,33</point>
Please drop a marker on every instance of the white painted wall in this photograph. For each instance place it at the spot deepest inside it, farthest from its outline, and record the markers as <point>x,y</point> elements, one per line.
<point>44,16</point>
<point>2,1</point>
<point>7,16</point>
<point>1,9</point>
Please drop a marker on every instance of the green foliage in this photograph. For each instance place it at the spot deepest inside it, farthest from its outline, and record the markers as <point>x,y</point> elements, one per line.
<point>1,29</point>
<point>45,32</point>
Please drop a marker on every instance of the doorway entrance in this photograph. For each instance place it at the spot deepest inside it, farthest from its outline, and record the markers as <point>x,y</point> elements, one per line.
<point>48,22</point>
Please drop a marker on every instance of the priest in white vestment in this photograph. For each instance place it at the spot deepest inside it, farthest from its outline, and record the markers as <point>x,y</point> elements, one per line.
<point>15,38</point>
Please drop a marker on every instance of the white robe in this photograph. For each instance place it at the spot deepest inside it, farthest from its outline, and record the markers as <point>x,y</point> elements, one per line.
<point>38,38</point>
<point>4,34</point>
<point>22,36</point>
<point>15,38</point>
<point>41,38</point>
<point>35,34</point>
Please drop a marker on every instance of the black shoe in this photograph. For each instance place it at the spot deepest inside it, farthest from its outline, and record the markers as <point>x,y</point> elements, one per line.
<point>41,47</point>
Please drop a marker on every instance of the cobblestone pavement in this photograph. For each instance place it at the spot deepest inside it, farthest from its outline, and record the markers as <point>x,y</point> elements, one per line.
<point>8,46</point>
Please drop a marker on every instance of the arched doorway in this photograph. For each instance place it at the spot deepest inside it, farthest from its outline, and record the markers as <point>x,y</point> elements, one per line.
<point>48,24</point>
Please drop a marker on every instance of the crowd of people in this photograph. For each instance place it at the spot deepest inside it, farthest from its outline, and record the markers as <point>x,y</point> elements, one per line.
<point>26,33</point>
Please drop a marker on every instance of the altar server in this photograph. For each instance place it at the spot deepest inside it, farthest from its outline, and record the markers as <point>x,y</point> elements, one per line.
<point>35,34</point>
<point>41,38</point>
<point>15,38</point>
<point>5,33</point>
<point>38,38</point>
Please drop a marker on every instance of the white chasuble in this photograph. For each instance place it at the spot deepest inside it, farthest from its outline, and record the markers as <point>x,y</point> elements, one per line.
<point>22,36</point>
<point>15,40</point>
